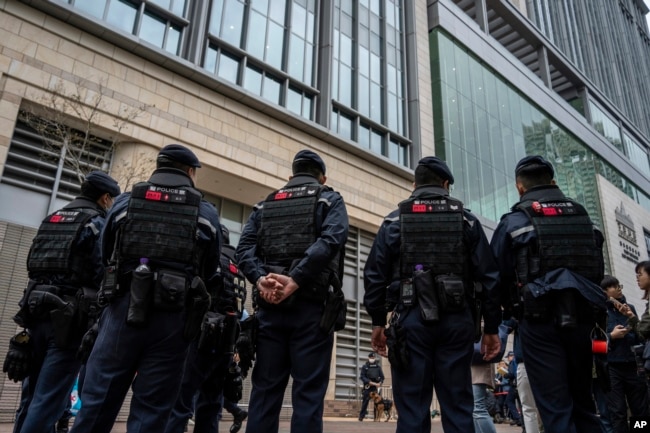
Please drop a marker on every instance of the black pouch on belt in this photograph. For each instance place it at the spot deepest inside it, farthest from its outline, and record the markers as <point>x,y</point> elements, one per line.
<point>451,293</point>
<point>169,294</point>
<point>426,294</point>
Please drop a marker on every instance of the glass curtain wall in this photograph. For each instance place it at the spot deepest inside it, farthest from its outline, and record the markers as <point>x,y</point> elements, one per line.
<point>369,77</point>
<point>483,126</point>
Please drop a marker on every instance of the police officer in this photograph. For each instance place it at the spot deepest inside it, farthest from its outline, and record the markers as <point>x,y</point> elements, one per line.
<point>550,258</point>
<point>65,272</point>
<point>292,250</point>
<point>208,358</point>
<point>431,261</point>
<point>372,377</point>
<point>156,308</point>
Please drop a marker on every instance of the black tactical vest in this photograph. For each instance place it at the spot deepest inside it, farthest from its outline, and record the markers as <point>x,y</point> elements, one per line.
<point>373,372</point>
<point>52,248</point>
<point>289,223</point>
<point>288,229</point>
<point>565,239</point>
<point>161,223</point>
<point>431,231</point>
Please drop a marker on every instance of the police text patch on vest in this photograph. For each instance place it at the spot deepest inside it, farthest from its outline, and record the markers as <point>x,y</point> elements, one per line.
<point>640,424</point>
<point>296,192</point>
<point>432,205</point>
<point>64,216</point>
<point>554,208</point>
<point>159,193</point>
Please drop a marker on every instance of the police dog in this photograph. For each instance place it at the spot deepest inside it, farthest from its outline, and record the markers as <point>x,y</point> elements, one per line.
<point>382,405</point>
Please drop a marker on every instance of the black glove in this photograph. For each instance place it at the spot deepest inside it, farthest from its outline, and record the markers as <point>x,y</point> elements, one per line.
<point>246,344</point>
<point>87,343</point>
<point>398,354</point>
<point>233,386</point>
<point>246,353</point>
<point>18,357</point>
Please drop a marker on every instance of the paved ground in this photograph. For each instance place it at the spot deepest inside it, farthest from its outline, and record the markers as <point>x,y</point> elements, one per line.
<point>332,425</point>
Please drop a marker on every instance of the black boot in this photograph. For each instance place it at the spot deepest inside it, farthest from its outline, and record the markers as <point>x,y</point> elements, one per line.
<point>239,419</point>
<point>62,426</point>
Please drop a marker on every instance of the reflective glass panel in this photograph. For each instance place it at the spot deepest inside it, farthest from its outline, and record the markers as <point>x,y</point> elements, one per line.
<point>253,80</point>
<point>376,142</point>
<point>122,15</point>
<point>173,44</point>
<point>92,7</point>
<point>294,101</point>
<point>152,29</point>
<point>256,35</point>
<point>228,67</point>
<point>271,90</point>
<point>275,45</point>
<point>233,15</point>
<point>210,62</point>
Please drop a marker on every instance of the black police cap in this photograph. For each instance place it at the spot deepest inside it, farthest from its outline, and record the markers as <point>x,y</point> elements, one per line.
<point>180,153</point>
<point>308,155</point>
<point>438,166</point>
<point>534,162</point>
<point>371,355</point>
<point>103,183</point>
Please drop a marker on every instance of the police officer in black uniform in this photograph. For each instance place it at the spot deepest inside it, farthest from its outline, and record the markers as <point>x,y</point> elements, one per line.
<point>372,377</point>
<point>292,250</point>
<point>206,367</point>
<point>432,263</point>
<point>152,314</point>
<point>65,271</point>
<point>550,257</point>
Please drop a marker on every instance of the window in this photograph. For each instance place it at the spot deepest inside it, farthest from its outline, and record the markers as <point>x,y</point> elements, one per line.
<point>646,235</point>
<point>638,154</point>
<point>606,126</point>
<point>273,42</point>
<point>159,22</point>
<point>368,75</point>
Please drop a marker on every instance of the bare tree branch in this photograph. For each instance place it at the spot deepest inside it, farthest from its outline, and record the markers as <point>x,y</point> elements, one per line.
<point>70,122</point>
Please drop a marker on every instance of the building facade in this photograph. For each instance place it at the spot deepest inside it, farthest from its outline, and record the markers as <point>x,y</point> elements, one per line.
<point>371,85</point>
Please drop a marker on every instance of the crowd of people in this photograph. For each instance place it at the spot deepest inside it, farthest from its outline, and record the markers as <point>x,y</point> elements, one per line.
<point>142,290</point>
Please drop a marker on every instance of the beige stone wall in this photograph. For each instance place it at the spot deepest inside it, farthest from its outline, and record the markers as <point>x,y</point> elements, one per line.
<point>245,152</point>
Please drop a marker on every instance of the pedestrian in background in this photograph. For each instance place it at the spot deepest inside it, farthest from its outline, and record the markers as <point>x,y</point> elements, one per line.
<point>628,391</point>
<point>372,376</point>
<point>511,397</point>
<point>642,270</point>
<point>529,414</point>
<point>482,380</point>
